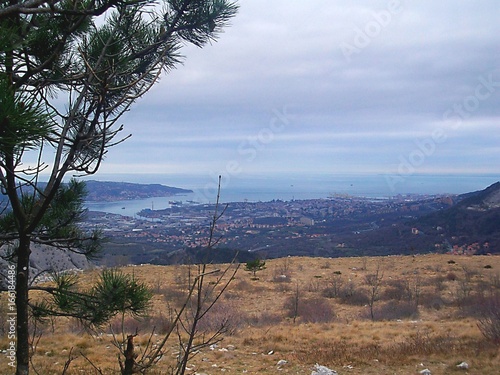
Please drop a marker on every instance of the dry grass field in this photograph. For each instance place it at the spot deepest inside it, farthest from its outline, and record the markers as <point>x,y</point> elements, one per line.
<point>424,314</point>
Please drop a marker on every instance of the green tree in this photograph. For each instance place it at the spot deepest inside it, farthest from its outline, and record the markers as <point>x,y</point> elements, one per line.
<point>254,266</point>
<point>68,70</point>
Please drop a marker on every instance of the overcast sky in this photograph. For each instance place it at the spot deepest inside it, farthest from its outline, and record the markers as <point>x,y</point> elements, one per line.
<point>325,87</point>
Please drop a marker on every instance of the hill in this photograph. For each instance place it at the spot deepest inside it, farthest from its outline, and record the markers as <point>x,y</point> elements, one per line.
<point>300,311</point>
<point>472,225</point>
<point>467,224</point>
<point>116,191</point>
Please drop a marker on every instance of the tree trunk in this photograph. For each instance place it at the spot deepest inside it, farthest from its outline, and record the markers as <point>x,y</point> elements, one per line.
<point>22,277</point>
<point>129,356</point>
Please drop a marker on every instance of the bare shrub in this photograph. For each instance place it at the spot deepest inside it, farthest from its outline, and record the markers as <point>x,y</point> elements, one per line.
<point>334,287</point>
<point>283,287</point>
<point>337,352</point>
<point>264,319</point>
<point>393,310</point>
<point>469,273</point>
<point>332,351</point>
<point>314,285</point>
<point>160,323</point>
<point>438,283</point>
<point>326,265</point>
<point>128,323</point>
<point>463,293</point>
<point>350,295</point>
<point>397,290</point>
<point>183,275</point>
<point>373,282</point>
<point>494,280</point>
<point>281,278</point>
<point>310,310</point>
<point>423,343</point>
<point>489,320</point>
<point>432,300</point>
<point>231,296</point>
<point>173,295</point>
<point>243,286</point>
<point>222,315</point>
<point>282,273</point>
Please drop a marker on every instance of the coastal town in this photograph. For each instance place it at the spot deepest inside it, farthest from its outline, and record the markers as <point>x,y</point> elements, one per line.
<point>337,226</point>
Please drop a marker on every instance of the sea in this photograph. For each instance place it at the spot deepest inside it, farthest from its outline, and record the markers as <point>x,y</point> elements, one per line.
<point>265,188</point>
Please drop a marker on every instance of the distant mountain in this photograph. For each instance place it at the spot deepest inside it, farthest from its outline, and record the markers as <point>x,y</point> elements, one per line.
<point>116,191</point>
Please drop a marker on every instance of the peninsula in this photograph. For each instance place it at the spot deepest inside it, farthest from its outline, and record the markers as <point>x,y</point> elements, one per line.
<point>107,191</point>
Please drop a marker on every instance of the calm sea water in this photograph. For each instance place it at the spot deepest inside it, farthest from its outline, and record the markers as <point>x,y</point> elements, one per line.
<point>267,188</point>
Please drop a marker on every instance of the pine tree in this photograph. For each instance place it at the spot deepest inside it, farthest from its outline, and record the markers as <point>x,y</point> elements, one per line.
<point>254,266</point>
<point>99,57</point>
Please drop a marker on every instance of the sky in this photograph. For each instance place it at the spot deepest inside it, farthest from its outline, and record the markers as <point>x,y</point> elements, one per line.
<point>393,87</point>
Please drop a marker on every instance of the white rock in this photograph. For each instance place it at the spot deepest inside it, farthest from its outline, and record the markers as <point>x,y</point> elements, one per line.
<point>282,362</point>
<point>270,352</point>
<point>322,370</point>
<point>463,365</point>
<point>426,371</point>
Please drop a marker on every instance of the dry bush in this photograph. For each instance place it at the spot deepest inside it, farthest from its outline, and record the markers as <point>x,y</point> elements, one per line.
<point>326,265</point>
<point>438,282</point>
<point>242,286</point>
<point>425,343</point>
<point>334,288</point>
<point>265,319</point>
<point>284,287</point>
<point>315,285</point>
<point>173,295</point>
<point>160,323</point>
<point>397,289</point>
<point>309,310</point>
<point>494,281</point>
<point>282,272</point>
<point>432,300</point>
<point>489,318</point>
<point>222,316</point>
<point>338,352</point>
<point>350,295</point>
<point>332,352</point>
<point>129,325</point>
<point>281,278</point>
<point>393,310</point>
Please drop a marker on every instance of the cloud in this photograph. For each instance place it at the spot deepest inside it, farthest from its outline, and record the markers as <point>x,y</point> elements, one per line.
<point>361,113</point>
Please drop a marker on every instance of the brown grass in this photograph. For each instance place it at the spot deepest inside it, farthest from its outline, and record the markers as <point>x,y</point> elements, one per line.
<point>443,334</point>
